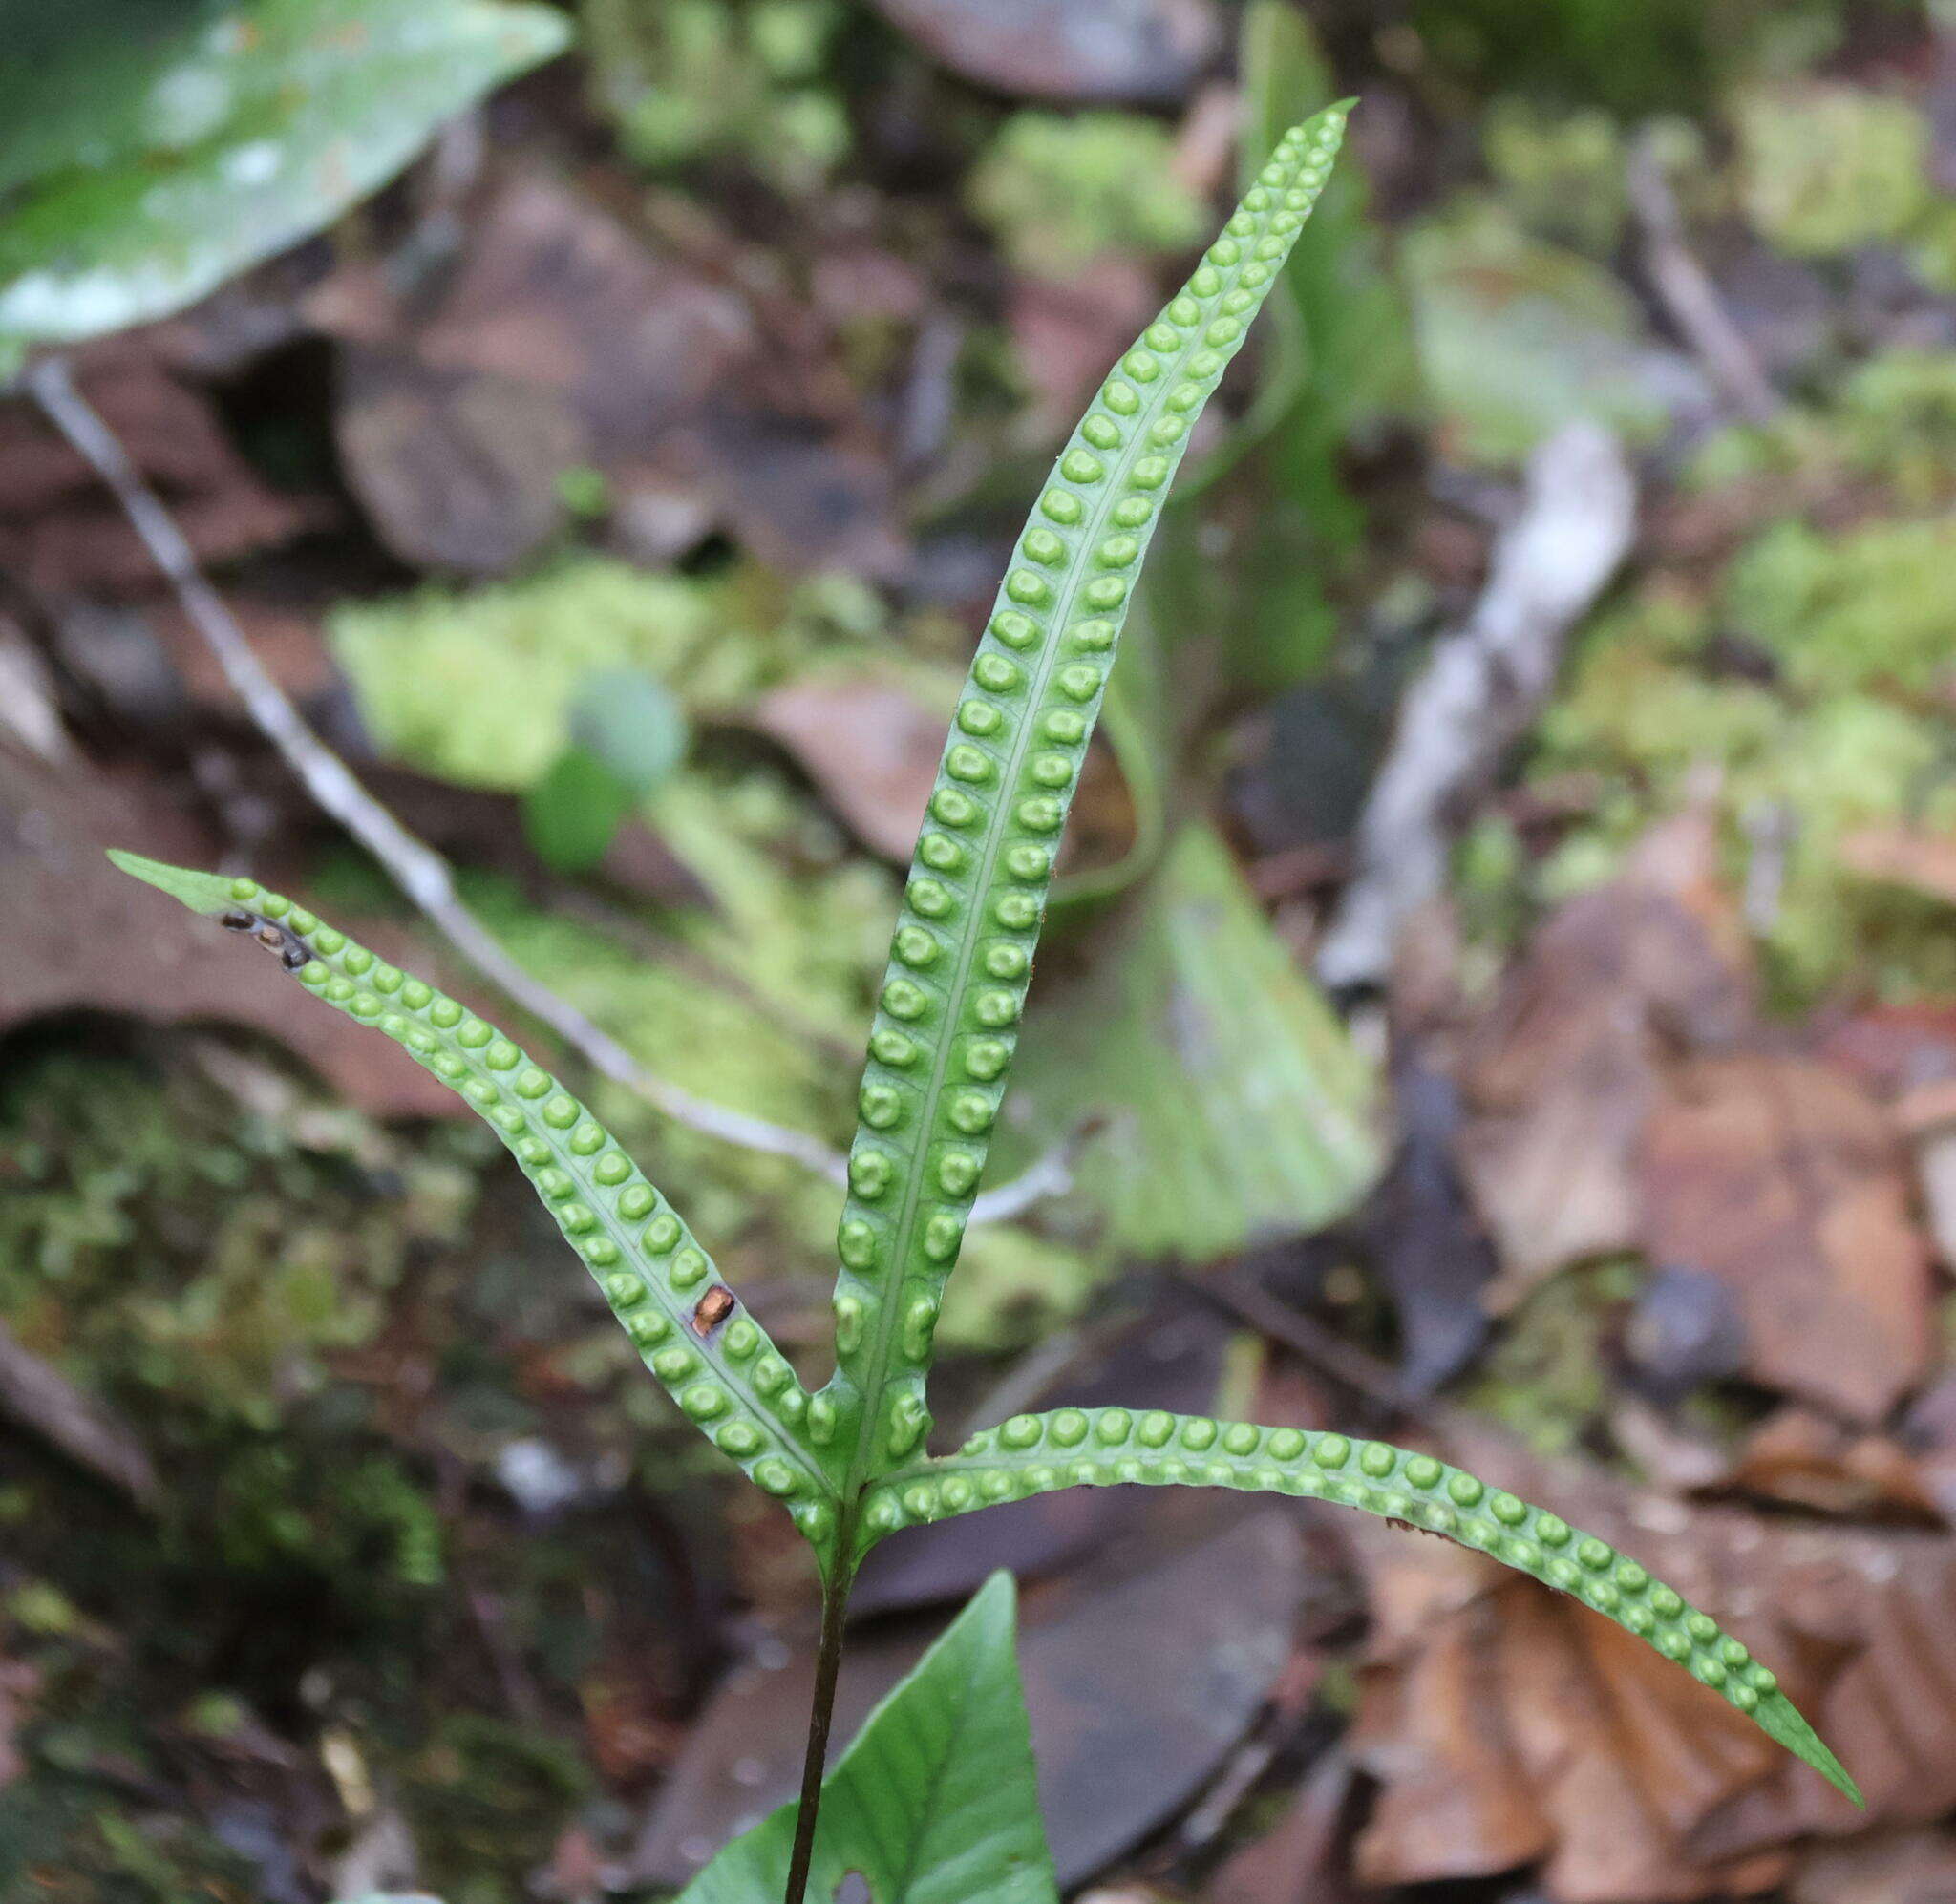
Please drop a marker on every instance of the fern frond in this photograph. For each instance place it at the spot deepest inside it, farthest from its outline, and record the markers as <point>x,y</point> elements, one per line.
<point>712,1356</point>
<point>962,956</point>
<point>1068,1447</point>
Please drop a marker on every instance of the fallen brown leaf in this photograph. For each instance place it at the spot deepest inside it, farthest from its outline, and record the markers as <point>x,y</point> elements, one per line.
<point>1782,1177</point>
<point>1802,1458</point>
<point>1065,334</point>
<point>1295,1861</point>
<point>870,743</point>
<point>1887,1868</point>
<point>1507,1724</point>
<point>1561,1072</point>
<point>562,341</point>
<point>76,935</point>
<point>1921,861</point>
<point>62,532</point>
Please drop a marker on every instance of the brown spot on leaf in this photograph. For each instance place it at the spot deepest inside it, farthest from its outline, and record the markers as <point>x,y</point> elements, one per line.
<point>712,1309</point>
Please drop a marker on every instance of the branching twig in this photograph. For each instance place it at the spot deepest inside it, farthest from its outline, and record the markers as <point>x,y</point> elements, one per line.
<point>421,873</point>
<point>1481,687</point>
<point>1688,292</point>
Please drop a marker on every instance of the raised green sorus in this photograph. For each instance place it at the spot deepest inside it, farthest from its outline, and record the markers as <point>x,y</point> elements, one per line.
<point>848,1461</point>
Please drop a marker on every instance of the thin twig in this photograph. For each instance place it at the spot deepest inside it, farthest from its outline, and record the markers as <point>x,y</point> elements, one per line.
<point>1243,1296</point>
<point>1687,290</point>
<point>421,873</point>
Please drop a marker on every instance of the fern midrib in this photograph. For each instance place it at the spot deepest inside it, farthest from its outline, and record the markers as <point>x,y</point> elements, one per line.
<point>1094,525</point>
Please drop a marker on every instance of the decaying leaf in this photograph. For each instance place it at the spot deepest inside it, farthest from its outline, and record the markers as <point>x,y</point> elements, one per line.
<point>563,342</point>
<point>869,742</point>
<point>1782,1177</point>
<point>1507,1725</point>
<point>1561,1072</point>
<point>73,940</point>
<point>61,533</point>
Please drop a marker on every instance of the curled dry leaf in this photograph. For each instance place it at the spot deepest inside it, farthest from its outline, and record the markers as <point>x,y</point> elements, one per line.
<point>1507,1725</point>
<point>1782,1177</point>
<point>1798,1457</point>
<point>1561,1072</point>
<point>1145,50</point>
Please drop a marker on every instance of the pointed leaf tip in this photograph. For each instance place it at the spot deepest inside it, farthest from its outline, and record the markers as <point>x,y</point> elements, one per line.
<point>1782,1719</point>
<point>206,893</point>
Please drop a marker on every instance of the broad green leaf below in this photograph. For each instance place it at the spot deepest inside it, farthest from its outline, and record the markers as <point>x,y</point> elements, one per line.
<point>1228,1103</point>
<point>934,1802</point>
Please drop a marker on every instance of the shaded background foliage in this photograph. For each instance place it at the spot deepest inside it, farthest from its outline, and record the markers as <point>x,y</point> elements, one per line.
<point>619,485</point>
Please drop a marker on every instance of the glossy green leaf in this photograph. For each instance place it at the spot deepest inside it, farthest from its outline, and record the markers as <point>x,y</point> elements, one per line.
<point>947,1014</point>
<point>1227,1102</point>
<point>706,1350</point>
<point>935,1800</point>
<point>168,161</point>
<point>1036,1454</point>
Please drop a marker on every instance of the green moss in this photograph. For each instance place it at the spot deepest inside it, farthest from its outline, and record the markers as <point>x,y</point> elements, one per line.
<point>1890,421</point>
<point>1545,1376</point>
<point>1865,610</point>
<point>475,686</point>
<point>691,80</point>
<point>1058,189</point>
<point>173,1248</point>
<point>1826,166</point>
<point>1561,173</point>
<point>1851,735</point>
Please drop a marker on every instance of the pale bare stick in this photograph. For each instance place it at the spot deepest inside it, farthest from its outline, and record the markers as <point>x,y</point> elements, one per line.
<point>421,873</point>
<point>1480,687</point>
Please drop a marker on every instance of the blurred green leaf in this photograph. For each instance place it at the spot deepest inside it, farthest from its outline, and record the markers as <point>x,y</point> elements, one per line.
<point>571,814</point>
<point>627,735</point>
<point>632,723</point>
<point>934,1802</point>
<point>1517,338</point>
<point>1338,361</point>
<point>147,164</point>
<point>1234,1106</point>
